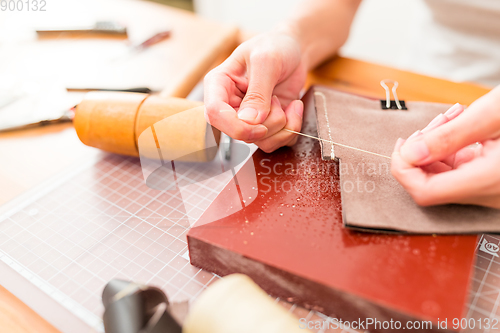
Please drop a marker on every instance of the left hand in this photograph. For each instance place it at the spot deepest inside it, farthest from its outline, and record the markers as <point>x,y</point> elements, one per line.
<point>456,158</point>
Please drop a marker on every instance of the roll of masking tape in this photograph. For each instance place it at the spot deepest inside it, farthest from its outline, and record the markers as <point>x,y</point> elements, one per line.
<point>236,304</point>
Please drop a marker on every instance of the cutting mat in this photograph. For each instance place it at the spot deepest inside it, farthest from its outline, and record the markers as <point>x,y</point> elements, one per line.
<point>81,230</point>
<point>100,221</point>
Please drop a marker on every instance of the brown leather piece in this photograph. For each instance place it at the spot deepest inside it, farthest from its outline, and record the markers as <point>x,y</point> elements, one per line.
<point>372,199</point>
<point>290,240</point>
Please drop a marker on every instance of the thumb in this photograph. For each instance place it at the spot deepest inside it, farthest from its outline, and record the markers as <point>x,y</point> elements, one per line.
<point>262,78</point>
<point>478,123</point>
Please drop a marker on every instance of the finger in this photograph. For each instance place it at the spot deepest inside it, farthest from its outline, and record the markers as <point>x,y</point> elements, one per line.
<point>406,174</point>
<point>441,119</point>
<point>463,155</point>
<point>436,122</point>
<point>294,120</point>
<point>399,144</point>
<point>455,186</point>
<point>293,114</point>
<point>276,120</point>
<point>414,180</point>
<point>487,201</point>
<point>220,84</point>
<point>220,114</point>
<point>289,90</point>
<point>436,167</point>
<point>467,154</point>
<point>417,133</point>
<point>223,117</point>
<point>263,74</point>
<point>480,122</point>
<point>454,111</point>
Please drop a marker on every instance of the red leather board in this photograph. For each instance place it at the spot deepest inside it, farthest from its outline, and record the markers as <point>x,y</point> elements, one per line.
<point>290,240</point>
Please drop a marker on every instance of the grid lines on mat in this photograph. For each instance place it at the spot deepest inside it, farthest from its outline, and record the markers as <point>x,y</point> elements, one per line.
<point>105,223</point>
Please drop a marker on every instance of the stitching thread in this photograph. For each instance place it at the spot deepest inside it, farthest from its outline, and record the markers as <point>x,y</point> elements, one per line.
<point>319,93</point>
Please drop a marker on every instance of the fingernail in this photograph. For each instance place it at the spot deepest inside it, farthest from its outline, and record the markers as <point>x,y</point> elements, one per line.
<point>248,114</point>
<point>276,100</point>
<point>434,121</point>
<point>459,109</point>
<point>399,143</point>
<point>415,134</point>
<point>298,107</point>
<point>453,109</point>
<point>415,151</point>
<point>258,132</point>
<point>438,121</point>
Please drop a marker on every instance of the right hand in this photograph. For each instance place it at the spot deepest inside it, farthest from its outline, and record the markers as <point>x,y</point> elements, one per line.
<point>239,94</point>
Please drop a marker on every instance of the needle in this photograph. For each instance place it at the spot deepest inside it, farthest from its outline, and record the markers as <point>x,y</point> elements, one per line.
<point>336,144</point>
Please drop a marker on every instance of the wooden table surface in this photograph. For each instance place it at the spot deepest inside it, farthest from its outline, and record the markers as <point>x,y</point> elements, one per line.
<point>57,147</point>
<point>364,78</point>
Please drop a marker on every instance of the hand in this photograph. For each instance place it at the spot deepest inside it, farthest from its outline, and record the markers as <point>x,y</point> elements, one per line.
<point>456,158</point>
<point>254,94</point>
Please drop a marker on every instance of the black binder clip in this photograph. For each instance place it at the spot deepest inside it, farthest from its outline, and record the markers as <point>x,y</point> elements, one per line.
<point>396,104</point>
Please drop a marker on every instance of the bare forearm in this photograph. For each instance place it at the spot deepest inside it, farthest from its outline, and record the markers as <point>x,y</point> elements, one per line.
<point>321,27</point>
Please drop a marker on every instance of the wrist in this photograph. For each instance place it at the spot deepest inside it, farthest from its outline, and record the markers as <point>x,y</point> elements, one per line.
<point>292,30</point>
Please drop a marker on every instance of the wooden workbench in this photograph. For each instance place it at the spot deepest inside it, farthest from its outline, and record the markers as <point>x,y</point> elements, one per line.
<point>55,148</point>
